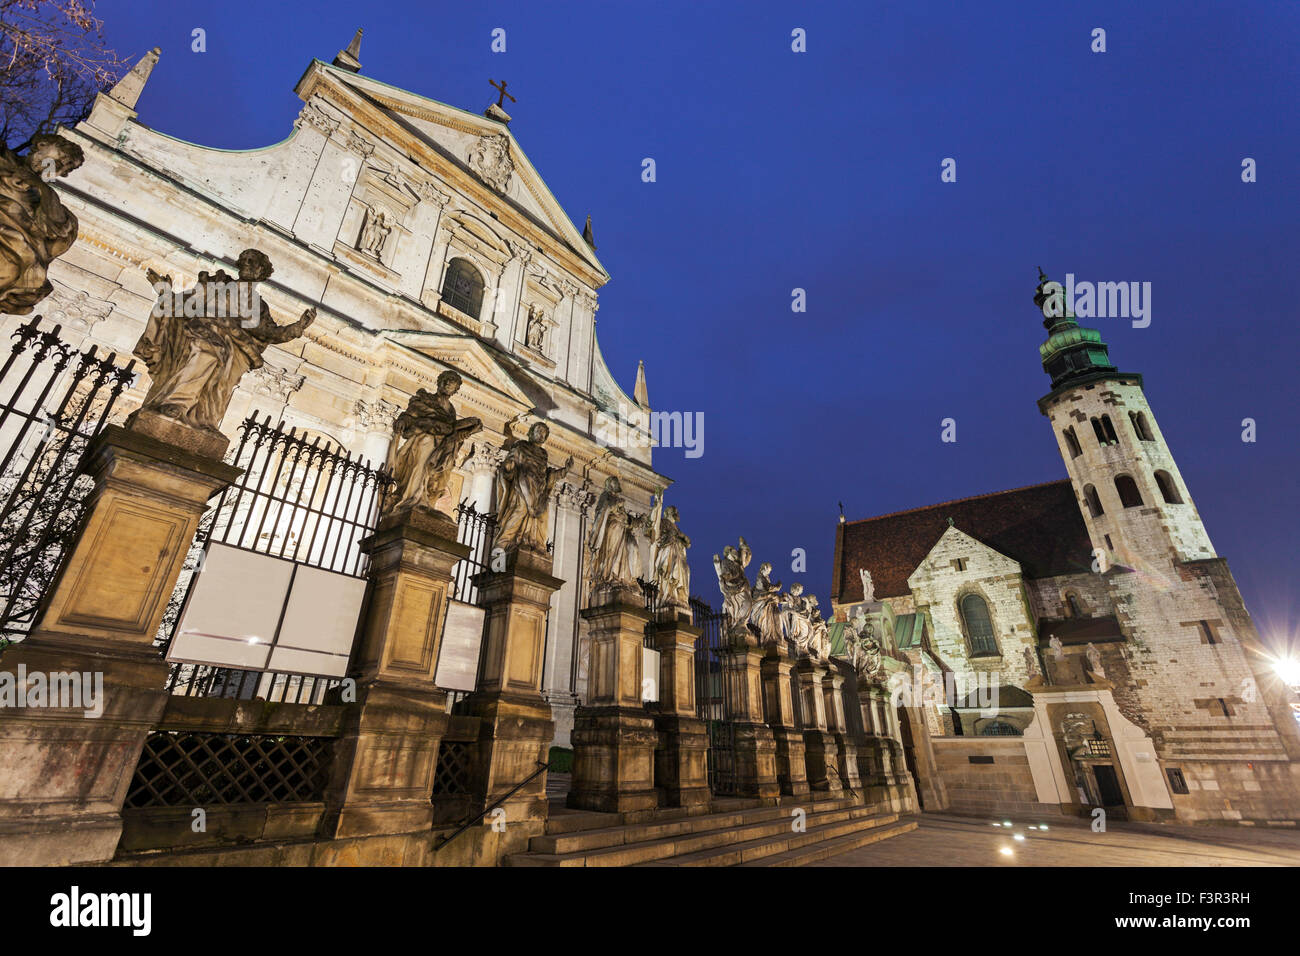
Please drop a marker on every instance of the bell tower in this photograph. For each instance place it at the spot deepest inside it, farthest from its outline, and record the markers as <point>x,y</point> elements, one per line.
<point>1134,501</point>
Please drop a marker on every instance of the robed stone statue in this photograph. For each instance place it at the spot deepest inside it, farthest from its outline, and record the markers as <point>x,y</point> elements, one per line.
<point>737,595</point>
<point>668,546</point>
<point>198,344</point>
<point>765,613</point>
<point>615,553</point>
<point>35,228</point>
<point>525,486</point>
<point>426,439</point>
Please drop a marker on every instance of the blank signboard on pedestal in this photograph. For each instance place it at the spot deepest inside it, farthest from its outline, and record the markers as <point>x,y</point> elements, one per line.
<point>254,612</point>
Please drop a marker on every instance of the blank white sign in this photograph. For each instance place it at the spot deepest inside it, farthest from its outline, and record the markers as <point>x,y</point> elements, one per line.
<point>254,612</point>
<point>462,636</point>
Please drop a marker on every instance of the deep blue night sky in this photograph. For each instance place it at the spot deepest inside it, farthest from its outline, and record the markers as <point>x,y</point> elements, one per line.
<point>821,170</point>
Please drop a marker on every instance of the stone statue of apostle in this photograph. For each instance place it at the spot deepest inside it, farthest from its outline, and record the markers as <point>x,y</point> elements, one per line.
<point>198,345</point>
<point>615,554</point>
<point>35,228</point>
<point>426,438</point>
<point>526,484</point>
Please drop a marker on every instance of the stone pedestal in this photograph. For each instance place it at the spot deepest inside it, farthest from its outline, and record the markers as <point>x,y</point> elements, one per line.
<point>791,769</point>
<point>820,752</point>
<point>614,735</point>
<point>516,728</point>
<point>681,757</point>
<point>385,762</point>
<point>846,748</point>
<point>65,773</point>
<point>755,745</point>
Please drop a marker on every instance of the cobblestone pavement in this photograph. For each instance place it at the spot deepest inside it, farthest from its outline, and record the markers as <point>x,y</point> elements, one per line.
<point>965,841</point>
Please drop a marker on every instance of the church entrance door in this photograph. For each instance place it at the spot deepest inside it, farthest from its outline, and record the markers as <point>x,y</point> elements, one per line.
<point>1108,785</point>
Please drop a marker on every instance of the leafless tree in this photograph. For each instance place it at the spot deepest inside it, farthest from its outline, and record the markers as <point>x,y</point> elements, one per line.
<point>52,63</point>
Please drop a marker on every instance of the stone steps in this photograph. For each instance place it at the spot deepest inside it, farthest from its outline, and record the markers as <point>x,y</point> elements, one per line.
<point>858,825</point>
<point>802,856</point>
<point>722,838</point>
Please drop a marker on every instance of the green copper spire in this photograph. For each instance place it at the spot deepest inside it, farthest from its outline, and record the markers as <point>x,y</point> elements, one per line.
<point>1071,351</point>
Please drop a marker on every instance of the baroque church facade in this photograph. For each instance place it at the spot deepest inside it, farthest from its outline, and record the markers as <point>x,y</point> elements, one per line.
<point>425,240</point>
<point>1076,644</point>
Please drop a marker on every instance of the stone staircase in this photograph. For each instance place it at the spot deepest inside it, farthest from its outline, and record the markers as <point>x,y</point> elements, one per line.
<point>735,833</point>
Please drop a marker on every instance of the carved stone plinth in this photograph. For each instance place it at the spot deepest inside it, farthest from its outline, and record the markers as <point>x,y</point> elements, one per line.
<point>516,729</point>
<point>755,755</point>
<point>385,762</point>
<point>64,774</point>
<point>791,768</point>
<point>614,735</point>
<point>681,757</point>
<point>821,755</point>
<point>846,748</point>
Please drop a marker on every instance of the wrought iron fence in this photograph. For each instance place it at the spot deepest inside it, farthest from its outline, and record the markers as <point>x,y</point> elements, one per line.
<point>54,400</point>
<point>306,500</point>
<point>183,768</point>
<point>300,498</point>
<point>478,530</point>
<point>713,701</point>
<point>202,680</point>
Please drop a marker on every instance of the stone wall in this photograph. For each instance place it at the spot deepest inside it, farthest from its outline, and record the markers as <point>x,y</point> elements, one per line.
<point>1004,786</point>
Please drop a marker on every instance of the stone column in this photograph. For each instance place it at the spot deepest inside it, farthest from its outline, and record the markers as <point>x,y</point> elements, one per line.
<point>681,758</point>
<point>755,756</point>
<point>613,734</point>
<point>820,750</point>
<point>515,722</point>
<point>571,504</point>
<point>846,747</point>
<point>791,769</point>
<point>385,762</point>
<point>66,771</point>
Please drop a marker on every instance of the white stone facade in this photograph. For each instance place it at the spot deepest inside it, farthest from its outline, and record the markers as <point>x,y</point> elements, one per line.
<point>362,209</point>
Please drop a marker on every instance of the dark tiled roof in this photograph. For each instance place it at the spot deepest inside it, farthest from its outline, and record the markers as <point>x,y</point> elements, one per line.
<point>1039,526</point>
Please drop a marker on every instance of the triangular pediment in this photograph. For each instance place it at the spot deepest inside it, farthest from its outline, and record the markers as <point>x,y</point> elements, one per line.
<point>482,147</point>
<point>467,355</point>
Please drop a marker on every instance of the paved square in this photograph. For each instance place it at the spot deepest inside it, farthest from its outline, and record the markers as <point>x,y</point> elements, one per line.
<point>964,841</point>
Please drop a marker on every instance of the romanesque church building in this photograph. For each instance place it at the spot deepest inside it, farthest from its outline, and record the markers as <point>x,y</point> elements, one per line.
<point>1076,644</point>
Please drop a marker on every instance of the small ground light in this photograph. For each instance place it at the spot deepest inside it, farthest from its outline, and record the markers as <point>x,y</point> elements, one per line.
<point>1006,823</point>
<point>1042,826</point>
<point>1018,836</point>
<point>1005,851</point>
<point>997,824</point>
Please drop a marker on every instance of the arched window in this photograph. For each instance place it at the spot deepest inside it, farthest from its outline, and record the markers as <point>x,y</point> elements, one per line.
<point>462,289</point>
<point>1098,431</point>
<point>1168,490</point>
<point>1072,442</point>
<point>1072,607</point>
<point>1092,501</point>
<point>1129,496</point>
<point>1140,428</point>
<point>1109,429</point>
<point>979,628</point>
<point>997,728</point>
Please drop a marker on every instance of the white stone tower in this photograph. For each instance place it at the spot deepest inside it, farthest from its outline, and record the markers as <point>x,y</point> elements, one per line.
<point>1134,502</point>
<point>1192,669</point>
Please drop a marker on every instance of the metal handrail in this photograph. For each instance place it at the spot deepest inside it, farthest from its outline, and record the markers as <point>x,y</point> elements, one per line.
<point>543,766</point>
<point>843,783</point>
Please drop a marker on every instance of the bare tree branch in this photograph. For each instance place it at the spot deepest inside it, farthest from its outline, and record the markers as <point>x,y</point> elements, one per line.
<point>52,63</point>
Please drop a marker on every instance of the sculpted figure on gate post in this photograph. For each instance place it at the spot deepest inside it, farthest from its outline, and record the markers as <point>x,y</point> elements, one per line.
<point>35,227</point>
<point>526,484</point>
<point>199,343</point>
<point>426,439</point>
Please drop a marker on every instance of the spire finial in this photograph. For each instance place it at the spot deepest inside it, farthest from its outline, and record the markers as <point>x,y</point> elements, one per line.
<point>350,58</point>
<point>641,393</point>
<point>127,90</point>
